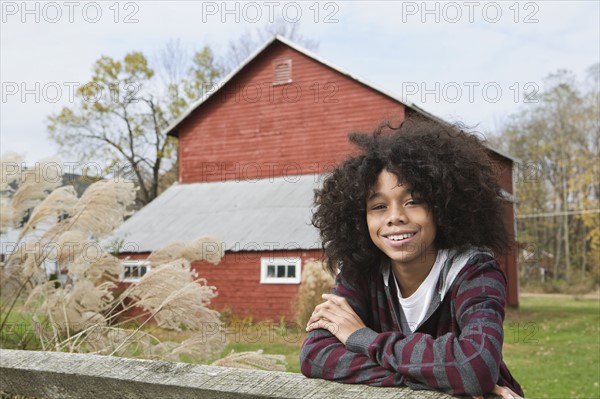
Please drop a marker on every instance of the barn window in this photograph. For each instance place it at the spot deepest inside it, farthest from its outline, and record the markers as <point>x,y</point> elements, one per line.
<point>133,270</point>
<point>280,270</point>
<point>282,72</point>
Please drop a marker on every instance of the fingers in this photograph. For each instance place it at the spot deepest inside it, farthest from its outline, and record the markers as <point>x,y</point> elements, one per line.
<point>324,324</point>
<point>328,310</point>
<point>335,315</point>
<point>505,393</point>
<point>333,298</point>
<point>329,314</point>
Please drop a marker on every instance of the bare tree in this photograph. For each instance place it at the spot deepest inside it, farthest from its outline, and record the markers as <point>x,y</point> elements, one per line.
<point>121,114</point>
<point>241,48</point>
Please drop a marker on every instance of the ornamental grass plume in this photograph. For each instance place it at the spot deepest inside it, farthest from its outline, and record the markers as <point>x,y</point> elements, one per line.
<point>205,248</point>
<point>104,267</point>
<point>70,245</point>
<point>316,280</point>
<point>110,340</point>
<point>85,316</point>
<point>174,296</point>
<point>56,205</point>
<point>204,345</point>
<point>69,309</point>
<point>102,208</point>
<point>10,176</point>
<point>6,214</point>
<point>34,185</point>
<point>87,312</point>
<point>59,228</point>
<point>11,165</point>
<point>22,274</point>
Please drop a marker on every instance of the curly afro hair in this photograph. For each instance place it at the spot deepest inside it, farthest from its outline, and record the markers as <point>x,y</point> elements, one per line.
<point>447,168</point>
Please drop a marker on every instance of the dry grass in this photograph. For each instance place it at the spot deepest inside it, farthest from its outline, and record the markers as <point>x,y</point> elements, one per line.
<point>88,314</point>
<point>10,176</point>
<point>58,203</point>
<point>34,185</point>
<point>206,248</point>
<point>315,282</point>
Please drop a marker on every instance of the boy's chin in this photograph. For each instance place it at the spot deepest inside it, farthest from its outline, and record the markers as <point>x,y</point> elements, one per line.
<point>410,259</point>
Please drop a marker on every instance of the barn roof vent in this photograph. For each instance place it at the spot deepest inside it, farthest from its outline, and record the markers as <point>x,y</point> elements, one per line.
<point>283,71</point>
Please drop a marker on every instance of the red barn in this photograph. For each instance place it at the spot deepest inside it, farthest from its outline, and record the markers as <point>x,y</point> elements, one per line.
<point>251,153</point>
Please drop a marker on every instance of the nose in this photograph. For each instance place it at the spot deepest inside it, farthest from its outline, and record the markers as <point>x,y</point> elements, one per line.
<point>396,215</point>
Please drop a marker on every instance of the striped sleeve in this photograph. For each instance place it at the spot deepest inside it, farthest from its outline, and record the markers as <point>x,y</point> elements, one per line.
<point>324,356</point>
<point>463,363</point>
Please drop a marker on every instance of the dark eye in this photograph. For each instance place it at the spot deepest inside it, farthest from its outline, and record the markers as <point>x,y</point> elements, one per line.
<point>378,206</point>
<point>414,201</point>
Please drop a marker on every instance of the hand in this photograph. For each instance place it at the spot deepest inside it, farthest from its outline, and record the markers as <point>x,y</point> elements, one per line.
<point>336,316</point>
<point>503,392</point>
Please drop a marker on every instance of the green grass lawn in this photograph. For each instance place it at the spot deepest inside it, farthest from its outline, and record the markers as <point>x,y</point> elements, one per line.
<point>552,346</point>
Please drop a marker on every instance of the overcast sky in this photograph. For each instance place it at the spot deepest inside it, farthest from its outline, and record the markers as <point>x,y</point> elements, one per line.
<point>462,61</point>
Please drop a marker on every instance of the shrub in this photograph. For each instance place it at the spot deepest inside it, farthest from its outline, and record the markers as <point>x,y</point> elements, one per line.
<point>315,282</point>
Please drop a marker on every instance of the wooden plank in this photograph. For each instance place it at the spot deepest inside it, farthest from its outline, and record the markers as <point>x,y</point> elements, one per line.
<point>70,375</point>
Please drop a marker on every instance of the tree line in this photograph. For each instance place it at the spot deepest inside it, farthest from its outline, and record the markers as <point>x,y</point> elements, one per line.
<point>557,178</point>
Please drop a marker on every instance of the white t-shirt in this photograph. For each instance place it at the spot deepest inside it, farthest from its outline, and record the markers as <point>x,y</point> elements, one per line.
<point>415,306</point>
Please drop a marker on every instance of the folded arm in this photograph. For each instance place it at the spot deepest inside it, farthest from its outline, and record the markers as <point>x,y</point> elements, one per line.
<point>465,363</point>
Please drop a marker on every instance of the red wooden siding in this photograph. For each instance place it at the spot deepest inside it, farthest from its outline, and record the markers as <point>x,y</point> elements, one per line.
<point>504,171</point>
<point>252,129</point>
<point>237,279</point>
<point>508,260</point>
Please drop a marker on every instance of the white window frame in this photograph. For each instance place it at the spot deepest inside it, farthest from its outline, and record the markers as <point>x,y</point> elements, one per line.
<point>130,263</point>
<point>274,263</point>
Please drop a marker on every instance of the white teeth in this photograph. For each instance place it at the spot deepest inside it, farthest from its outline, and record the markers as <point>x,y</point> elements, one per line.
<point>398,237</point>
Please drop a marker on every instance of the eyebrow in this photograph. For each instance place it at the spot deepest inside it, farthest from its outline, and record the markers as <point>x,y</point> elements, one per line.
<point>377,194</point>
<point>373,196</point>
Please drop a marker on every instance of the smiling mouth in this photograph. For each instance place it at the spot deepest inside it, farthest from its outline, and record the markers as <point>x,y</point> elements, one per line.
<point>400,237</point>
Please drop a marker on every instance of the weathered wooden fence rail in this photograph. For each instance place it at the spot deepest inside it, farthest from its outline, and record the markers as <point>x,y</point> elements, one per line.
<point>67,375</point>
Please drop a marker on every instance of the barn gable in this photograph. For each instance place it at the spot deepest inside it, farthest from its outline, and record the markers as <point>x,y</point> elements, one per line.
<point>275,126</point>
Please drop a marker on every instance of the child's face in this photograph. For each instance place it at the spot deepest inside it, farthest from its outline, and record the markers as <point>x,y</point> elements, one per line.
<point>402,228</point>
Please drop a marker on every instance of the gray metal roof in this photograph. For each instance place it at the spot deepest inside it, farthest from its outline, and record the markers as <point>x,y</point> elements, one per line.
<point>253,215</point>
